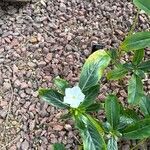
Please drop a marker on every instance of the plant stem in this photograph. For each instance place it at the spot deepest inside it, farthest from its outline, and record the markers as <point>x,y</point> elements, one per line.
<point>130,32</point>
<point>138,144</point>
<point>134,23</point>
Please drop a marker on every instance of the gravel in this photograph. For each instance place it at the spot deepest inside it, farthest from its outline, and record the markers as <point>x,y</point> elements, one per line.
<point>39,41</point>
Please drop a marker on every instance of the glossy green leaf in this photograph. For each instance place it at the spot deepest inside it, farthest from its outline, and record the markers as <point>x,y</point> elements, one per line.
<point>127,116</point>
<point>61,84</point>
<point>145,105</point>
<point>90,96</point>
<point>79,122</point>
<point>113,54</point>
<point>138,56</point>
<point>93,69</point>
<point>145,66</point>
<point>58,146</point>
<point>117,73</point>
<point>112,109</point>
<point>112,144</point>
<point>129,66</point>
<point>135,90</point>
<point>136,41</point>
<point>140,73</point>
<point>91,137</point>
<point>143,5</point>
<point>53,97</point>
<point>96,123</point>
<point>138,130</point>
<point>93,108</point>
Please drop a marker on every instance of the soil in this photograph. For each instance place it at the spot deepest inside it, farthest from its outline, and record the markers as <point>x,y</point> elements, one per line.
<point>44,39</point>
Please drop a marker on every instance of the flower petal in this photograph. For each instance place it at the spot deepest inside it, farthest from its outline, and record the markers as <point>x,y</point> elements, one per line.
<point>73,96</point>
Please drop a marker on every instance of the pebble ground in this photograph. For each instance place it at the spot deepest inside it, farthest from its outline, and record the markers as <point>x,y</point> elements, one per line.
<point>41,40</point>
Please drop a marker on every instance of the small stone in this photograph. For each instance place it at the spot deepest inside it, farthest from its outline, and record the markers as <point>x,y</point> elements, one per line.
<point>15,69</point>
<point>62,7</point>
<point>58,127</point>
<point>1,121</point>
<point>14,123</point>
<point>119,32</point>
<point>17,83</point>
<point>1,50</point>
<point>141,19</point>
<point>86,52</point>
<point>1,32</point>
<point>24,85</point>
<point>22,95</point>
<point>35,94</point>
<point>7,40</point>
<point>33,39</point>
<point>39,37</point>
<point>31,64</point>
<point>69,37</point>
<point>7,86</point>
<point>1,22</point>
<point>68,47</point>
<point>68,127</point>
<point>32,125</point>
<point>48,57</point>
<point>123,93</point>
<point>14,42</point>
<point>2,60</point>
<point>25,145</point>
<point>3,113</point>
<point>3,103</point>
<point>13,147</point>
<point>41,63</point>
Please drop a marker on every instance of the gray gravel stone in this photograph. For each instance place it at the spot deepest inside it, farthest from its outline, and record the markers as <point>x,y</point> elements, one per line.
<point>6,86</point>
<point>25,145</point>
<point>62,7</point>
<point>1,32</point>
<point>1,22</point>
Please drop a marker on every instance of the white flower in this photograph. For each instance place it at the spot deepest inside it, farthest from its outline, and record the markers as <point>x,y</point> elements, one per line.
<point>73,96</point>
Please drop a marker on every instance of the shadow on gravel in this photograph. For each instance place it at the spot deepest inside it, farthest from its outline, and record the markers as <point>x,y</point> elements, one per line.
<point>11,4</point>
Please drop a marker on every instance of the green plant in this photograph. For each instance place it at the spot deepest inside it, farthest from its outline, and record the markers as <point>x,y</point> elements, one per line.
<point>121,122</point>
<point>80,100</point>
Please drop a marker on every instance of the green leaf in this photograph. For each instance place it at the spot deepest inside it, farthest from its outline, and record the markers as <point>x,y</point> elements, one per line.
<point>93,69</point>
<point>118,73</point>
<point>53,97</point>
<point>112,109</point>
<point>90,96</point>
<point>140,73</point>
<point>61,84</point>
<point>127,116</point>
<point>135,90</point>
<point>138,56</point>
<point>128,66</point>
<point>58,146</point>
<point>96,123</point>
<point>143,5</point>
<point>93,108</point>
<point>136,41</point>
<point>113,54</point>
<point>145,66</point>
<point>112,144</point>
<point>79,123</point>
<point>138,130</point>
<point>145,105</point>
<point>91,136</point>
